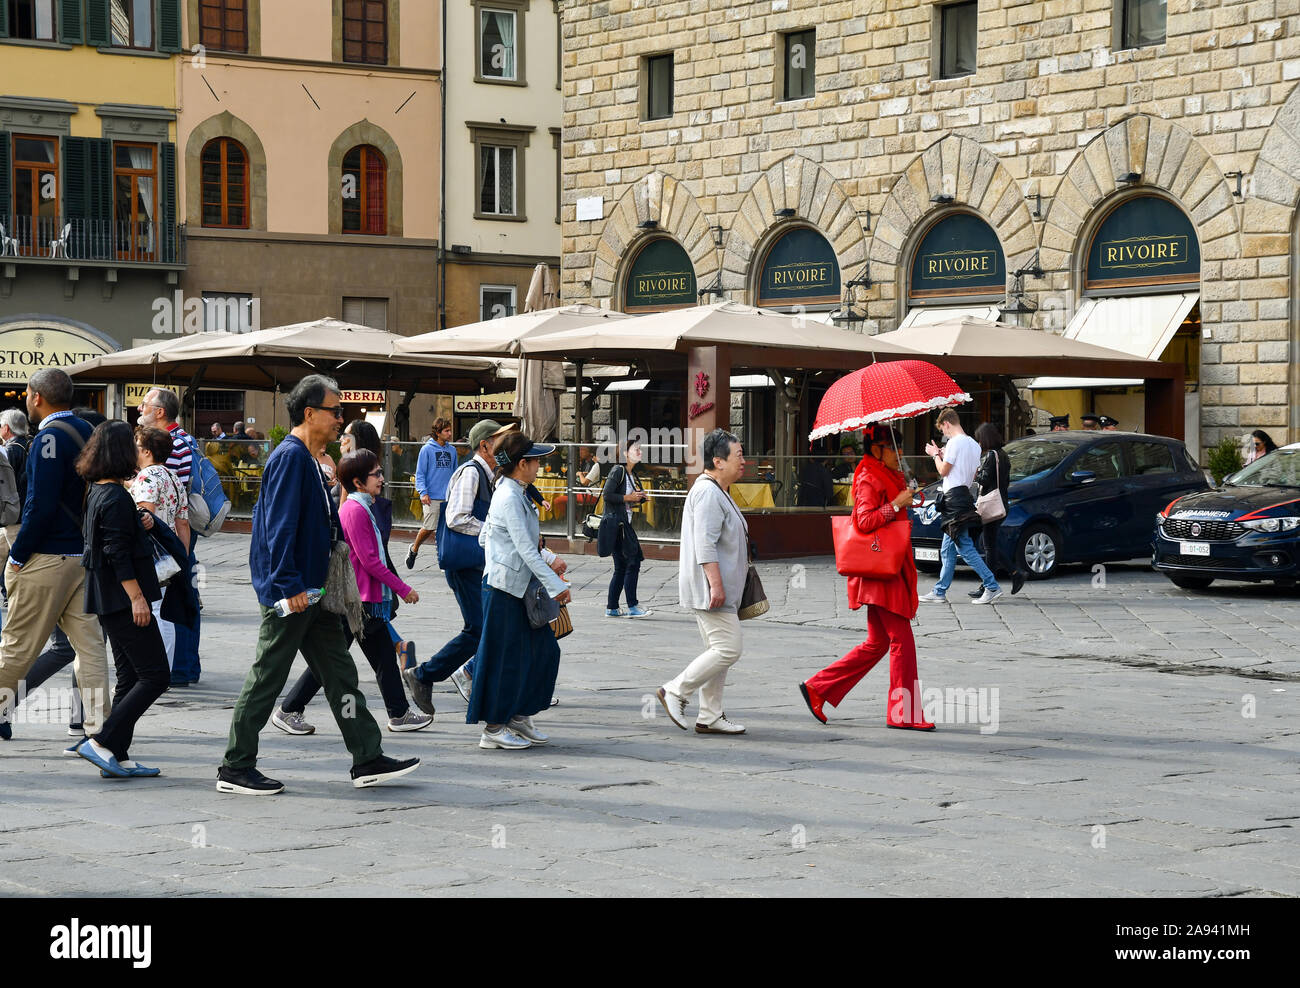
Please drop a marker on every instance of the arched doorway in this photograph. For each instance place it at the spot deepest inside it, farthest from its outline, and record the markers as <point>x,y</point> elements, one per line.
<point>1139,265</point>
<point>30,343</point>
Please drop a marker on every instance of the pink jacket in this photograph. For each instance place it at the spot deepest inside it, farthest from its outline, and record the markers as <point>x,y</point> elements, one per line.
<point>372,574</point>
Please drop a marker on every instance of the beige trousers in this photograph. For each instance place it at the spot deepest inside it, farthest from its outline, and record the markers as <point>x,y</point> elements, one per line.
<point>50,590</point>
<point>708,672</point>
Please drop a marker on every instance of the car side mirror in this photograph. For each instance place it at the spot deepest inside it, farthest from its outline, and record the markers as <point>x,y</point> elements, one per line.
<point>1083,476</point>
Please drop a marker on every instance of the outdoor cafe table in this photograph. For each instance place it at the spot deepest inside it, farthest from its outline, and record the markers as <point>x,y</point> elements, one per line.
<point>752,495</point>
<point>844,494</point>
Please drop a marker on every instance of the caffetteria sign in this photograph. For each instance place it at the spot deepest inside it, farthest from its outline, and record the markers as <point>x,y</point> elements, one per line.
<point>959,255</point>
<point>1145,240</point>
<point>799,268</point>
<point>660,277</point>
<point>25,351</point>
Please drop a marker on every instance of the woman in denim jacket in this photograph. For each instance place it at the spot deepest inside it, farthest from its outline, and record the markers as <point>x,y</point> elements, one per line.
<point>516,664</point>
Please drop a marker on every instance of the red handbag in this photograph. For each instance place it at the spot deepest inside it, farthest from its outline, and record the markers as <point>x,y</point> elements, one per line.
<point>875,555</point>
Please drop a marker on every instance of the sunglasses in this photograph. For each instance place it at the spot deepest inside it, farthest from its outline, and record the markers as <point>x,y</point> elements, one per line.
<point>375,473</point>
<point>335,410</point>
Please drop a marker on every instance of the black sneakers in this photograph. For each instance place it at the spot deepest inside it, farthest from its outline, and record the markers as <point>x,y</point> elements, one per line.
<point>382,769</point>
<point>247,782</point>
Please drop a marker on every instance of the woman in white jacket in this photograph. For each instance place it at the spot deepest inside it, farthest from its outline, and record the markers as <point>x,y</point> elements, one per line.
<point>516,664</point>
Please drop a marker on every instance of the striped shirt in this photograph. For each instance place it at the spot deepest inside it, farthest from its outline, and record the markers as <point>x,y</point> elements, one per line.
<point>182,454</point>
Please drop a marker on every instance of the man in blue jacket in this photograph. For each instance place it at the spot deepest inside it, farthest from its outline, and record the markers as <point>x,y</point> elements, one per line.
<point>44,574</point>
<point>295,524</point>
<point>433,469</point>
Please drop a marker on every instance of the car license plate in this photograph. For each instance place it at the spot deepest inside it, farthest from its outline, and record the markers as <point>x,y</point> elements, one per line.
<point>932,555</point>
<point>1195,548</point>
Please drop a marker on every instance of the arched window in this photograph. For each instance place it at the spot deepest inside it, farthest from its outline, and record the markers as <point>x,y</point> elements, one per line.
<point>224,166</point>
<point>365,194</point>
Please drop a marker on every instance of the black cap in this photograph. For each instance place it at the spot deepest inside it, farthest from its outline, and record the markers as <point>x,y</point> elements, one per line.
<point>1062,420</point>
<point>1108,422</point>
<point>1091,417</point>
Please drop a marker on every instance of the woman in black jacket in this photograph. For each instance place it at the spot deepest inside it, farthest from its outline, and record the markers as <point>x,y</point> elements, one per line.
<point>995,471</point>
<point>120,585</point>
<point>622,493</point>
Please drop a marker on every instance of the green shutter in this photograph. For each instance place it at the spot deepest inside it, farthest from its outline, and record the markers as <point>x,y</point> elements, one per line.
<point>167,201</point>
<point>169,25</point>
<point>4,178</point>
<point>97,23</point>
<point>88,194</point>
<point>70,22</point>
<point>4,20</point>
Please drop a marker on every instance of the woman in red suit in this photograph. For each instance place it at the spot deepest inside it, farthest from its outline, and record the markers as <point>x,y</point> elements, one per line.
<point>880,496</point>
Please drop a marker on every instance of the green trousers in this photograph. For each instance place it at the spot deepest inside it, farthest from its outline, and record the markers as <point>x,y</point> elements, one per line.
<point>319,635</point>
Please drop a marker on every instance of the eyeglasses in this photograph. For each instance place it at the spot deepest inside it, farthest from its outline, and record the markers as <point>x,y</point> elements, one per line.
<point>375,473</point>
<point>335,410</point>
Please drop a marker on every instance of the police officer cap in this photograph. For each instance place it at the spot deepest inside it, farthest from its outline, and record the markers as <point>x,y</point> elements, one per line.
<point>1056,420</point>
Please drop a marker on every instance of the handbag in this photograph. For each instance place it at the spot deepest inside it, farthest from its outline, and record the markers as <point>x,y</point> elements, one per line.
<point>540,605</point>
<point>591,527</point>
<point>342,595</point>
<point>875,555</point>
<point>753,599</point>
<point>563,624</point>
<point>989,504</point>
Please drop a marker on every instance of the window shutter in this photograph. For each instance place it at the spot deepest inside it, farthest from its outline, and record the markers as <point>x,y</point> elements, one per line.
<point>377,313</point>
<point>4,178</point>
<point>88,194</point>
<point>169,25</point>
<point>70,22</point>
<point>167,201</point>
<point>4,20</point>
<point>97,23</point>
<point>354,311</point>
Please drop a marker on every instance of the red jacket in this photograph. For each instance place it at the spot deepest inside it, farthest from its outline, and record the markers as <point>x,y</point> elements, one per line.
<point>874,487</point>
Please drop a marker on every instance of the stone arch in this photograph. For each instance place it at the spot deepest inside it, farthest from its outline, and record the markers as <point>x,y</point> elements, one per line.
<point>1169,159</point>
<point>817,199</point>
<point>365,132</point>
<point>225,125</point>
<point>978,182</point>
<point>660,197</point>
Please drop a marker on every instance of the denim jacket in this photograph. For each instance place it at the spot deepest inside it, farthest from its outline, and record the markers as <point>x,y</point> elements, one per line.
<point>509,540</point>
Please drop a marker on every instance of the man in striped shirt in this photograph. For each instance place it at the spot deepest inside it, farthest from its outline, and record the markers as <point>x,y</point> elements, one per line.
<point>160,410</point>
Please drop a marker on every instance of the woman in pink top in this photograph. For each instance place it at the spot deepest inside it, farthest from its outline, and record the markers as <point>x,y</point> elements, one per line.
<point>360,475</point>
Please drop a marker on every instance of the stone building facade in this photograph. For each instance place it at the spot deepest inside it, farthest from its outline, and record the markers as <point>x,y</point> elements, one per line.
<point>1058,125</point>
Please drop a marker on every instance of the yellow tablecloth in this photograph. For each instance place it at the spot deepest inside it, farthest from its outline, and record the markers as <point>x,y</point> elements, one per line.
<point>844,494</point>
<point>551,487</point>
<point>752,495</point>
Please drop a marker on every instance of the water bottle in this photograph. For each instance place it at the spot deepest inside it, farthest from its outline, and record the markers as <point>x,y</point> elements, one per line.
<point>282,606</point>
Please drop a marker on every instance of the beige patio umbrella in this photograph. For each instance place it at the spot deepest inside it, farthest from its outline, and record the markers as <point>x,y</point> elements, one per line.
<point>503,336</point>
<point>357,356</point>
<point>971,337</point>
<point>536,404</point>
<point>722,323</point>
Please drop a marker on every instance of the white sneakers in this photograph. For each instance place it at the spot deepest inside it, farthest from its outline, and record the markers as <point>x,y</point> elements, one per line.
<point>524,727</point>
<point>502,737</point>
<point>674,706</point>
<point>988,596</point>
<point>720,726</point>
<point>460,679</point>
<point>932,598</point>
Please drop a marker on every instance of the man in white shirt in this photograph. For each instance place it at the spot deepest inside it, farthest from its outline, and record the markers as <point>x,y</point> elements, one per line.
<point>957,463</point>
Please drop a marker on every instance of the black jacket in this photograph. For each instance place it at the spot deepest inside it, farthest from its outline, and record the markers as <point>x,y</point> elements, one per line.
<point>117,549</point>
<point>994,471</point>
<point>957,511</point>
<point>615,514</point>
<point>180,598</point>
<point>16,450</point>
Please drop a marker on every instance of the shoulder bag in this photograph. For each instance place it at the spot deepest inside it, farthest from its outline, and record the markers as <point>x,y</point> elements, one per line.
<point>989,504</point>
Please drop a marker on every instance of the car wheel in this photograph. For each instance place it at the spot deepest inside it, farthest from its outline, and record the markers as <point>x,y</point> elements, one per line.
<point>1191,582</point>
<point>1039,551</point>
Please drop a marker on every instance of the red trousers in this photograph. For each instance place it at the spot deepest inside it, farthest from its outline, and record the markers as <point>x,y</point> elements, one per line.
<point>886,632</point>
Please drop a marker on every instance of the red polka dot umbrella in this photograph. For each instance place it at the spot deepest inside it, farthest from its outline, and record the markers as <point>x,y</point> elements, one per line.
<point>883,392</point>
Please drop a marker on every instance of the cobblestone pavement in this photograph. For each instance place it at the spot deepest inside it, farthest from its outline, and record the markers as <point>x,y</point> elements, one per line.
<point>1145,744</point>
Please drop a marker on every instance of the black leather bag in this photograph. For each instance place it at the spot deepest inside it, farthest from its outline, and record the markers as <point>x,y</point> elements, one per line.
<point>540,605</point>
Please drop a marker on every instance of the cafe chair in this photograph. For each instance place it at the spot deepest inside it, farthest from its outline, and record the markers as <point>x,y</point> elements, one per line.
<point>8,245</point>
<point>61,244</point>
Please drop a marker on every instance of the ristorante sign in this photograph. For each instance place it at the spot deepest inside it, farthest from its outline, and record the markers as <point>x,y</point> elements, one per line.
<point>25,351</point>
<point>1145,240</point>
<point>660,277</point>
<point>800,268</point>
<point>959,255</point>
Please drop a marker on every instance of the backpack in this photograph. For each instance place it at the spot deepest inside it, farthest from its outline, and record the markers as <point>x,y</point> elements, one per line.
<point>208,504</point>
<point>11,510</point>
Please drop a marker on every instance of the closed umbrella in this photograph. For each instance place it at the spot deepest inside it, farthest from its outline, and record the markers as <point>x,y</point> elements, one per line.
<point>536,406</point>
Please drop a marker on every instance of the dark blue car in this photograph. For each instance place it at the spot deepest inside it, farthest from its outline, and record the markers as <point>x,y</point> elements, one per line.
<point>1248,529</point>
<point>1077,497</point>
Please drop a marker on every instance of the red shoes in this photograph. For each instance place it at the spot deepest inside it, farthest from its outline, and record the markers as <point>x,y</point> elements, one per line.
<point>814,702</point>
<point>920,725</point>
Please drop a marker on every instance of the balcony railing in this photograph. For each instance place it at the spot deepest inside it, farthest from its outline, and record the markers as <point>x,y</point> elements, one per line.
<point>107,241</point>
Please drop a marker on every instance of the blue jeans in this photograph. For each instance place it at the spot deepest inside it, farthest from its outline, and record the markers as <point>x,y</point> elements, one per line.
<point>468,588</point>
<point>948,560</point>
<point>185,663</point>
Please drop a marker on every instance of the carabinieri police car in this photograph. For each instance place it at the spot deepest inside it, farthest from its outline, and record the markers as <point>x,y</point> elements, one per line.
<point>1248,529</point>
